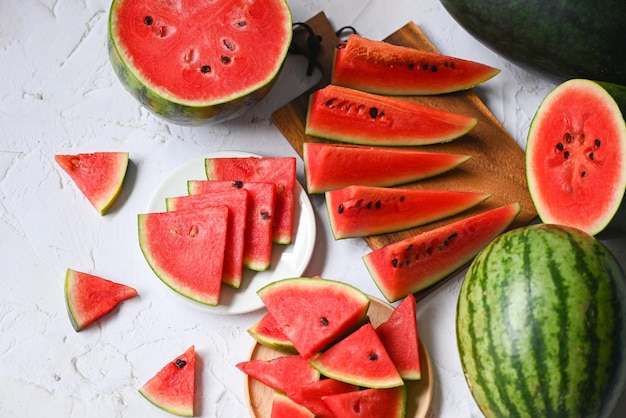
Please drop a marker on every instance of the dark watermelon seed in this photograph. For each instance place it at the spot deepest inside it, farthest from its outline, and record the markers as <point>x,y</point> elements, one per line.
<point>241,23</point>
<point>433,68</point>
<point>424,66</point>
<point>409,248</point>
<point>225,59</point>
<point>410,66</point>
<point>566,155</point>
<point>568,137</point>
<point>452,65</point>
<point>394,262</point>
<point>229,45</point>
<point>148,20</point>
<point>597,142</point>
<point>583,173</point>
<point>378,204</point>
<point>265,215</point>
<point>180,363</point>
<point>560,146</point>
<point>369,205</point>
<point>373,112</point>
<point>205,69</point>
<point>373,356</point>
<point>340,209</point>
<point>402,198</point>
<point>238,184</point>
<point>452,237</point>
<point>591,156</point>
<point>324,321</point>
<point>330,103</point>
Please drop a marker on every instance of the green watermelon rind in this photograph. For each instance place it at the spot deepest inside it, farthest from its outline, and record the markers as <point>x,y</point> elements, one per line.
<point>567,292</point>
<point>177,111</point>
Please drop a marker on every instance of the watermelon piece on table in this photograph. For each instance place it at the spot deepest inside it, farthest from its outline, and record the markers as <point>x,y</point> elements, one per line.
<point>369,403</point>
<point>311,395</point>
<point>283,374</point>
<point>185,249</point>
<point>257,251</point>
<point>237,203</point>
<point>173,387</point>
<point>333,166</point>
<point>360,359</point>
<point>313,313</point>
<point>400,337</point>
<point>278,170</point>
<point>98,175</point>
<point>356,211</point>
<point>267,332</point>
<point>89,298</point>
<point>283,407</point>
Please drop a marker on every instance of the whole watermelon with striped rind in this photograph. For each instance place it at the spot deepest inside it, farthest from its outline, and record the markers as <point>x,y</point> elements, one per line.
<point>541,325</point>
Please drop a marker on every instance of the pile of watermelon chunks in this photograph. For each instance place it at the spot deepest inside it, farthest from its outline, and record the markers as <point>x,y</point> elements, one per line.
<point>330,360</point>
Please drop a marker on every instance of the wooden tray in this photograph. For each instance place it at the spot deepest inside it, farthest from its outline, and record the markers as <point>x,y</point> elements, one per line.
<point>497,165</point>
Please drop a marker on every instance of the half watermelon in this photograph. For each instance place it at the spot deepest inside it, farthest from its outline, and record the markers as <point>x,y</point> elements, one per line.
<point>198,62</point>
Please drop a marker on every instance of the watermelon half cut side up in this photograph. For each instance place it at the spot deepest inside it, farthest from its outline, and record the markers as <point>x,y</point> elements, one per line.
<point>417,262</point>
<point>356,211</point>
<point>198,62</point>
<point>185,249</point>
<point>89,298</point>
<point>98,175</point>
<point>384,68</point>
<point>333,166</point>
<point>313,313</point>
<point>576,156</point>
<point>352,116</point>
<point>173,387</point>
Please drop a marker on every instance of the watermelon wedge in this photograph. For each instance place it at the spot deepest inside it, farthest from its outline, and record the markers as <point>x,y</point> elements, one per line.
<point>333,166</point>
<point>278,170</point>
<point>185,249</point>
<point>283,407</point>
<point>283,374</point>
<point>369,403</point>
<point>356,211</point>
<point>417,262</point>
<point>237,203</point>
<point>311,395</point>
<point>267,332</point>
<point>89,297</point>
<point>98,175</point>
<point>173,387</point>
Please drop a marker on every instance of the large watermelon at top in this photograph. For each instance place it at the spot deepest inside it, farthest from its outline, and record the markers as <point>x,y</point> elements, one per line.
<point>195,62</point>
<point>541,325</point>
<point>562,39</point>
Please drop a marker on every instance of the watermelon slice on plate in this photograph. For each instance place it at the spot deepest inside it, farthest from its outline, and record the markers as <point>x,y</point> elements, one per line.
<point>283,407</point>
<point>287,260</point>
<point>173,387</point>
<point>284,374</point>
<point>267,332</point>
<point>98,175</point>
<point>89,297</point>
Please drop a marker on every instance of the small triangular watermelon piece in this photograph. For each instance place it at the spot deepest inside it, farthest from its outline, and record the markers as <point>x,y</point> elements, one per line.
<point>369,403</point>
<point>283,373</point>
<point>173,387</point>
<point>313,313</point>
<point>257,252</point>
<point>278,170</point>
<point>400,338</point>
<point>283,407</point>
<point>267,332</point>
<point>89,297</point>
<point>360,359</point>
<point>185,249</point>
<point>237,203</point>
<point>310,395</point>
<point>98,175</point>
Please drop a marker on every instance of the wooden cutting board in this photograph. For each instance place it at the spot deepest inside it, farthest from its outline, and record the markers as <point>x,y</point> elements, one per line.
<point>497,165</point>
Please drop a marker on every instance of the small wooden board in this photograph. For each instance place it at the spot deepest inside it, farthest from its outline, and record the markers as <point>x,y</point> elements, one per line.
<point>497,165</point>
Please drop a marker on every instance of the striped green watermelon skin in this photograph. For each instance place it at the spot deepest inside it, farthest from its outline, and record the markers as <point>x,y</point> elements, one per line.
<point>541,325</point>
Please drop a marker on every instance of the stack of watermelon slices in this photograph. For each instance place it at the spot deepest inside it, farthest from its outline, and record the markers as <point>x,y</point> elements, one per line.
<point>331,357</point>
<point>227,223</point>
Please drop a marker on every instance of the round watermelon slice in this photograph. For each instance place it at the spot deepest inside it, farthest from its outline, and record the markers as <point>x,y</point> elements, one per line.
<point>198,62</point>
<point>576,155</point>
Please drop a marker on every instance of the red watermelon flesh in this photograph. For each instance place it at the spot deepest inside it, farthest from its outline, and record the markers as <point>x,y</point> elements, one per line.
<point>417,262</point>
<point>400,337</point>
<point>359,358</point>
<point>89,297</point>
<point>311,394</point>
<point>333,166</point>
<point>384,68</point>
<point>347,115</point>
<point>369,403</point>
<point>185,249</point>
<point>367,210</point>
<point>278,170</point>
<point>283,374</point>
<point>98,175</point>
<point>237,202</point>
<point>267,332</point>
<point>257,249</point>
<point>173,387</point>
<point>283,407</point>
<point>314,313</point>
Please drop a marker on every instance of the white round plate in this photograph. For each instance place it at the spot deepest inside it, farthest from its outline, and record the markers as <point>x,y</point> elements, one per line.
<point>287,260</point>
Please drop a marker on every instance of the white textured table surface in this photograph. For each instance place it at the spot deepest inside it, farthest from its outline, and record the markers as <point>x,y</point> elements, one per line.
<point>58,94</point>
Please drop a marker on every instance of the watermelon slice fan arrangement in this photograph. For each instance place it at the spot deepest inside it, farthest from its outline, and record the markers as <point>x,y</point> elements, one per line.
<point>329,355</point>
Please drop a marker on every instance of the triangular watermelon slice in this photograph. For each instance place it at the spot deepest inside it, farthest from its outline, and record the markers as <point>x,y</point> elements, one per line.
<point>360,359</point>
<point>369,403</point>
<point>283,374</point>
<point>310,395</point>
<point>89,297</point>
<point>267,332</point>
<point>98,175</point>
<point>185,249</point>
<point>278,170</point>
<point>283,407</point>
<point>237,203</point>
<point>313,313</point>
<point>173,387</point>
<point>400,338</point>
